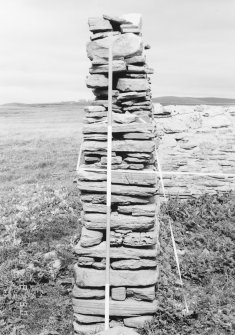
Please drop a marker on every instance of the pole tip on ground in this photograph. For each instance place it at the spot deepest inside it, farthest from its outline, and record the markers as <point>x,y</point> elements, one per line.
<point>119,331</point>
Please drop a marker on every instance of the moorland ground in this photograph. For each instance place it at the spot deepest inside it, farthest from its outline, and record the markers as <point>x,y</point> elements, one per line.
<point>39,150</point>
<point>39,211</point>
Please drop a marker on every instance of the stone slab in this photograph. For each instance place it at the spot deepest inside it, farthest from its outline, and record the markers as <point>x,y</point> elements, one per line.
<point>98,221</point>
<point>102,92</point>
<point>88,319</point>
<point>103,34</point>
<point>138,210</point>
<point>134,264</point>
<point>97,115</point>
<point>134,18</point>
<point>117,66</point>
<point>91,159</point>
<point>99,265</point>
<point>134,127</point>
<point>125,178</point>
<point>97,81</point>
<point>86,261</point>
<point>119,331</point>
<point>139,155</point>
<point>120,146</point>
<point>136,60</point>
<point>95,208</point>
<point>80,328</point>
<point>136,75</point>
<point>130,95</point>
<point>116,238</point>
<point>136,160</point>
<point>130,85</point>
<point>97,137</point>
<point>137,321</point>
<point>90,109</point>
<point>99,251</point>
<point>99,24</point>
<point>126,118</point>
<point>115,19</point>
<point>127,190</point>
<point>119,199</point>
<point>137,108</point>
<point>118,293</point>
<point>88,293</point>
<point>141,293</point>
<point>90,237</point>
<point>87,277</point>
<point>140,239</point>
<point>138,69</point>
<point>114,160</point>
<point>126,308</point>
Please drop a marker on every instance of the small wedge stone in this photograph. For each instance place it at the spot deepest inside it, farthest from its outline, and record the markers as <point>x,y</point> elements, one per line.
<point>118,293</point>
<point>90,237</point>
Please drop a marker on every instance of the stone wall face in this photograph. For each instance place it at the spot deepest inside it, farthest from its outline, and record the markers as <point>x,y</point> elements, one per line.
<point>196,139</point>
<point>135,205</point>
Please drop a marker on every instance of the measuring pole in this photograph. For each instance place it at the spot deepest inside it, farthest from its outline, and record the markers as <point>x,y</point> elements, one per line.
<point>109,180</point>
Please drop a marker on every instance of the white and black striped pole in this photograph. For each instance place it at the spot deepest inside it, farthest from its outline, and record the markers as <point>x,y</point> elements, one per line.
<point>109,180</point>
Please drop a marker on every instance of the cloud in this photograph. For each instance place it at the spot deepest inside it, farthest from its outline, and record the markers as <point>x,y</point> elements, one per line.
<point>43,56</point>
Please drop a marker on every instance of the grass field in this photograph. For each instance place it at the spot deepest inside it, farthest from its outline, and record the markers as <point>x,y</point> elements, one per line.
<point>39,144</point>
<point>39,211</point>
<point>38,156</point>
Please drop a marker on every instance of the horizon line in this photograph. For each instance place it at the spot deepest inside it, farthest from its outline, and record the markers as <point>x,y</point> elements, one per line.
<point>87,100</point>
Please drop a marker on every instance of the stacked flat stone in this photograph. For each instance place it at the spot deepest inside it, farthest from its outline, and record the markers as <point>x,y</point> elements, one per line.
<point>134,216</point>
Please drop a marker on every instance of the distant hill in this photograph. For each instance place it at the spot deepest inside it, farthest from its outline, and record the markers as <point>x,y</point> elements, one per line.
<point>46,104</point>
<point>171,100</point>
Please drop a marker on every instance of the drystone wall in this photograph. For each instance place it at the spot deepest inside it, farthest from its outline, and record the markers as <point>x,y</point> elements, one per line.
<point>135,205</point>
<point>197,139</point>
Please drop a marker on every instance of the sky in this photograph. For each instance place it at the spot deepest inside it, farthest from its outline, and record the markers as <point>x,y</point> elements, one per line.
<point>43,47</point>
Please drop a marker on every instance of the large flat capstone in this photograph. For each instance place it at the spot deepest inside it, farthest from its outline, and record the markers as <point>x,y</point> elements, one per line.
<point>125,45</point>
